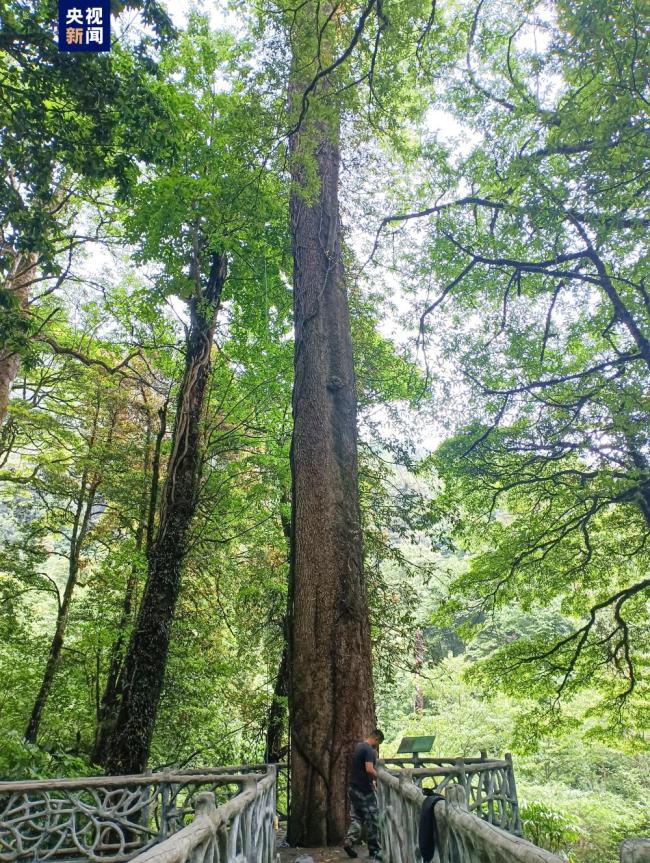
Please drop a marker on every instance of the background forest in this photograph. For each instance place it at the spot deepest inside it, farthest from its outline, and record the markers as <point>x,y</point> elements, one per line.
<point>494,179</point>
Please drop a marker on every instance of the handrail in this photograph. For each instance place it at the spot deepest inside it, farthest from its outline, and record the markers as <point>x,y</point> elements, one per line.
<point>241,829</point>
<point>207,775</point>
<point>441,761</point>
<point>455,768</point>
<point>464,837</point>
<point>400,803</point>
<point>489,784</point>
<point>472,840</point>
<point>102,819</point>
<point>260,767</point>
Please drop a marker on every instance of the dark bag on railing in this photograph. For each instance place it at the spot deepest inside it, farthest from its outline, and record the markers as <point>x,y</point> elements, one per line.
<point>428,833</point>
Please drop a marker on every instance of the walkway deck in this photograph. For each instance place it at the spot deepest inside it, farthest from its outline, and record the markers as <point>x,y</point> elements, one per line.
<point>319,855</point>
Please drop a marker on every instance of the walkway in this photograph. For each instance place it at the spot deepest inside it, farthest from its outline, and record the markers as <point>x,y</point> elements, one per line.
<point>319,855</point>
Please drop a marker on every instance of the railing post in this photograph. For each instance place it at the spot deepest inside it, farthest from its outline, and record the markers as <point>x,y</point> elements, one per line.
<point>484,789</point>
<point>246,818</point>
<point>205,804</point>
<point>452,850</point>
<point>490,795</point>
<point>272,769</point>
<point>456,796</point>
<point>145,815</point>
<point>635,851</point>
<point>459,764</point>
<point>164,807</point>
<point>515,824</point>
<point>399,811</point>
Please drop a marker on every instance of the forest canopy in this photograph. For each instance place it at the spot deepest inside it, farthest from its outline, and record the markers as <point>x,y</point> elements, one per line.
<point>294,291</point>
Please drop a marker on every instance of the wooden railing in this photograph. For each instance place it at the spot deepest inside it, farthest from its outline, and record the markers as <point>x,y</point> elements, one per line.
<point>464,837</point>
<point>489,784</point>
<point>108,819</point>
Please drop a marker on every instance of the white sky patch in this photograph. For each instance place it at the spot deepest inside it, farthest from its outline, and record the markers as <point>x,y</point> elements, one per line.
<point>450,132</point>
<point>219,17</point>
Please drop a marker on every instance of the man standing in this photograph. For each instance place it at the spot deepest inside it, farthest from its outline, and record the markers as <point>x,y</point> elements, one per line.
<point>362,797</point>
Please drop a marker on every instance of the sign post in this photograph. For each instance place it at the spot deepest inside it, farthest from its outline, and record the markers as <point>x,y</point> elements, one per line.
<point>415,746</point>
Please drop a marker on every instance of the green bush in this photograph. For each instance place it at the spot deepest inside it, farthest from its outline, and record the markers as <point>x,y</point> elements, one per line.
<point>602,819</point>
<point>20,760</point>
<point>549,829</point>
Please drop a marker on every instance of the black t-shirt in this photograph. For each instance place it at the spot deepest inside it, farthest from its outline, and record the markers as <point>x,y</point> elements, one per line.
<point>359,778</point>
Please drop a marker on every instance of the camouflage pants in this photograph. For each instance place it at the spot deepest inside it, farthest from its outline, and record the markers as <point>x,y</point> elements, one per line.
<point>363,811</point>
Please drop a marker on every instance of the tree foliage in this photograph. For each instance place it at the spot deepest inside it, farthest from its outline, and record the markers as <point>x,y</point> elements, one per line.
<point>494,163</point>
<point>535,246</point>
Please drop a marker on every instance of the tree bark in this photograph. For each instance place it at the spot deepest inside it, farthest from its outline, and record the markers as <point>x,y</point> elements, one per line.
<point>275,729</point>
<point>144,667</point>
<point>331,693</point>
<point>17,285</point>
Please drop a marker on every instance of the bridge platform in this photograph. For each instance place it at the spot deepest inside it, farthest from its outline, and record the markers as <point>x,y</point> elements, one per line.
<point>318,855</point>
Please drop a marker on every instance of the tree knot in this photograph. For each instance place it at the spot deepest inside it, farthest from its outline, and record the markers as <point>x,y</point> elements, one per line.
<point>335,383</point>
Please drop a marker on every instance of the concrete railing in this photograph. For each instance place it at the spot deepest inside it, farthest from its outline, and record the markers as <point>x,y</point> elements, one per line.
<point>489,784</point>
<point>240,831</point>
<point>468,839</point>
<point>108,819</point>
<point>464,837</point>
<point>635,851</point>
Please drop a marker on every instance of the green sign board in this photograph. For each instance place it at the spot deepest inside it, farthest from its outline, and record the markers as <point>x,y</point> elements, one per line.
<point>416,744</point>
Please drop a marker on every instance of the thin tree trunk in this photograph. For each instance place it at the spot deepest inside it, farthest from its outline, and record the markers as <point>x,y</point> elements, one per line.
<point>107,709</point>
<point>146,659</point>
<point>331,692</point>
<point>21,277</point>
<point>419,661</point>
<point>155,473</point>
<point>277,718</point>
<point>275,729</point>
<point>79,530</point>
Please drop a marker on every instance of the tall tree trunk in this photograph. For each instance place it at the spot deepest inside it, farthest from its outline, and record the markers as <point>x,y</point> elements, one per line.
<point>331,693</point>
<point>80,528</point>
<point>144,667</point>
<point>17,286</point>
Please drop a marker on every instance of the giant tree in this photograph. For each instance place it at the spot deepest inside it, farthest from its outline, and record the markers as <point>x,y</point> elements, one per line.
<point>330,660</point>
<point>351,70</point>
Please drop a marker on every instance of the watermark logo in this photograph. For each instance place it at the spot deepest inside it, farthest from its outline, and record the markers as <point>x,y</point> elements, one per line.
<point>84,26</point>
